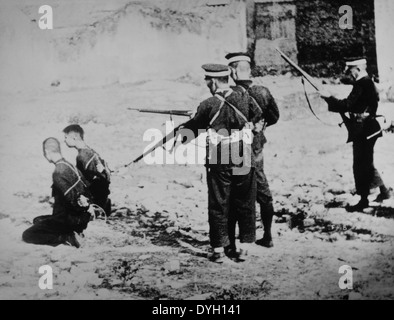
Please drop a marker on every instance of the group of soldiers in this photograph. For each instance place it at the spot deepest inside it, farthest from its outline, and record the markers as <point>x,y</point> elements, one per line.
<point>232,191</point>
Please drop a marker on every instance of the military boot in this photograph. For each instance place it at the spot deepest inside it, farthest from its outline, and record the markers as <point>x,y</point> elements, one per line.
<point>267,214</point>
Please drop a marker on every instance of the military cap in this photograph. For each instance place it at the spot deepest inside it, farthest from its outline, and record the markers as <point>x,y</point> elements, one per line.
<point>238,56</point>
<point>354,62</point>
<point>216,70</point>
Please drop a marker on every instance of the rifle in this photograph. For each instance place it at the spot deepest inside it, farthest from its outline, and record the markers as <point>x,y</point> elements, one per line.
<point>181,113</point>
<point>346,120</point>
<point>161,143</point>
<point>170,136</point>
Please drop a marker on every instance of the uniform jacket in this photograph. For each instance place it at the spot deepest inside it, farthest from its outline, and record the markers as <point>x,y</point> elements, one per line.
<point>364,98</point>
<point>269,108</point>
<point>87,161</point>
<point>228,118</point>
<point>68,186</point>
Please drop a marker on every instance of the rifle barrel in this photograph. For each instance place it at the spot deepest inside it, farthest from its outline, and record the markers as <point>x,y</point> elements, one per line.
<point>295,66</point>
<point>182,113</point>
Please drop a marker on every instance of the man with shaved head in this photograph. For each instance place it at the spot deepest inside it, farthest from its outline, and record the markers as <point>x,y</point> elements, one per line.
<point>71,210</point>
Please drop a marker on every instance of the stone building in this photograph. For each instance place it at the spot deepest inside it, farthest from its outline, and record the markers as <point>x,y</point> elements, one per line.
<point>310,33</point>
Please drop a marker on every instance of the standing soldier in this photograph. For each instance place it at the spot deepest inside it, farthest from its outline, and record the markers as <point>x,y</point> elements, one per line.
<point>364,130</point>
<point>92,166</point>
<point>231,188</point>
<point>71,210</point>
<point>240,64</point>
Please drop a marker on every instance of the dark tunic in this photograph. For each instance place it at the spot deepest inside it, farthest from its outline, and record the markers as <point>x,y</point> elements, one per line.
<point>68,216</point>
<point>270,113</point>
<point>231,196</point>
<point>362,105</point>
<point>87,161</point>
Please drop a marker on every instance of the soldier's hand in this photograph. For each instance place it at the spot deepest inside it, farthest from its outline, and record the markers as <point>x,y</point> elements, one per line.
<point>259,126</point>
<point>91,211</point>
<point>100,168</point>
<point>324,93</point>
<point>249,125</point>
<point>83,202</point>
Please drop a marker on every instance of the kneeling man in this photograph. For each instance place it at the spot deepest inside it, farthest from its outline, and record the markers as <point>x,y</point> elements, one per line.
<point>71,210</point>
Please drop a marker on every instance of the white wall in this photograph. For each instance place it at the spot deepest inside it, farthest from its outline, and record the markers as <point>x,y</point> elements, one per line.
<point>132,43</point>
<point>384,16</point>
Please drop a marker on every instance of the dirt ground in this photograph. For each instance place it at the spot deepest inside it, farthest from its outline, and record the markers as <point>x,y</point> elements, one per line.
<point>155,244</point>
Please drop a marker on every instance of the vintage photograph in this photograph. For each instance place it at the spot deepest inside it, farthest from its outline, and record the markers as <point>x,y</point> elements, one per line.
<point>196,150</point>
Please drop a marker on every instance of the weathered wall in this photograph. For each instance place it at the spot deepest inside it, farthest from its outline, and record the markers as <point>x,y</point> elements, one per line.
<point>96,43</point>
<point>384,15</point>
<point>275,27</point>
<point>323,45</point>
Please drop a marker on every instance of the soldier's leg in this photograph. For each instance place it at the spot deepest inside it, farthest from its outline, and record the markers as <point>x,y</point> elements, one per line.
<point>49,233</point>
<point>363,171</point>
<point>376,179</point>
<point>232,225</point>
<point>361,163</point>
<point>219,184</point>
<point>264,198</point>
<point>41,218</point>
<point>267,215</point>
<point>100,192</point>
<point>244,203</point>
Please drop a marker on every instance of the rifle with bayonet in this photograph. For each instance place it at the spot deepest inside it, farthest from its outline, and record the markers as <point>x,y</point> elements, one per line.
<point>182,113</point>
<point>346,120</point>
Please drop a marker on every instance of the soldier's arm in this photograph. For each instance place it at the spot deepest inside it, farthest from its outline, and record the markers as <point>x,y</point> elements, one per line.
<point>95,167</point>
<point>345,105</point>
<point>69,186</point>
<point>198,122</point>
<point>90,164</point>
<point>271,114</point>
<point>256,113</point>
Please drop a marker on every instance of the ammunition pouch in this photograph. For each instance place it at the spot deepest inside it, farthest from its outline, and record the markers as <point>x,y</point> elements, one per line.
<point>363,126</point>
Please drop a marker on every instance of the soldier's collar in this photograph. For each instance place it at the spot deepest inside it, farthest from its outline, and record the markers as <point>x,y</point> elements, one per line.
<point>225,91</point>
<point>362,74</point>
<point>60,160</point>
<point>244,83</point>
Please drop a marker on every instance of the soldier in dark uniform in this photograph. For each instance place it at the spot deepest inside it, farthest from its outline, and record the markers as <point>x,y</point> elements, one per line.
<point>71,210</point>
<point>231,183</point>
<point>364,130</point>
<point>92,166</point>
<point>241,73</point>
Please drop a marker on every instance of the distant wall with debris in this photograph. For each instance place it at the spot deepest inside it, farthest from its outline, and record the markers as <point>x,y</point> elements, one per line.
<point>132,42</point>
<point>323,45</point>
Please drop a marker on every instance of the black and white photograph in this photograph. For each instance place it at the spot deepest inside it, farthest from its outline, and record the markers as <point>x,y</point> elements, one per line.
<point>199,152</point>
